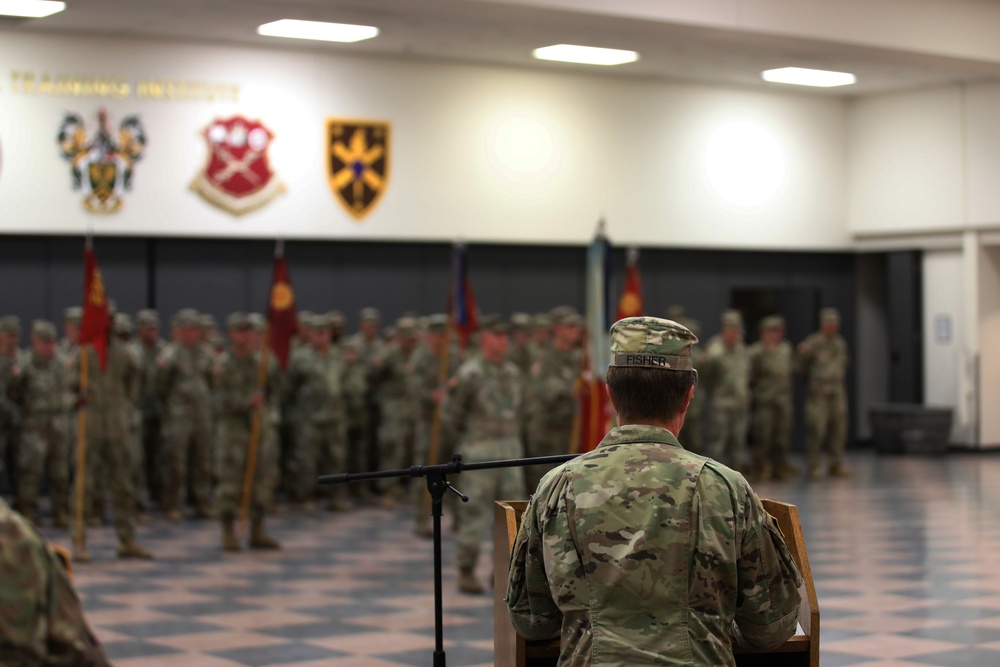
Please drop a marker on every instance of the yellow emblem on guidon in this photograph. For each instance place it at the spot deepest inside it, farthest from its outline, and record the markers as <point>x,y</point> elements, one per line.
<point>282,296</point>
<point>357,163</point>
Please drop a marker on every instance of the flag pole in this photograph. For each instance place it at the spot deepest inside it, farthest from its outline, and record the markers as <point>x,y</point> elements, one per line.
<point>255,429</point>
<point>81,449</point>
<point>435,444</point>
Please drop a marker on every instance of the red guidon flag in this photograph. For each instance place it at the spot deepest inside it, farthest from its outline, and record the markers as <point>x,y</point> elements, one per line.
<point>282,320</point>
<point>630,304</point>
<point>95,325</point>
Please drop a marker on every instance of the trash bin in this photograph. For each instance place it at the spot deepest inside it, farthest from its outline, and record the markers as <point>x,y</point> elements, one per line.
<point>906,428</point>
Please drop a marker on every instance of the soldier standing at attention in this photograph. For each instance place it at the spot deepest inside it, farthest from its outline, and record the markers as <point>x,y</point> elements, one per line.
<point>10,414</point>
<point>551,409</point>
<point>397,406</point>
<point>71,331</point>
<point>484,409</point>
<point>520,349</point>
<point>67,351</point>
<point>40,389</point>
<point>642,553</point>
<point>43,622</point>
<point>726,376</point>
<point>147,347</point>
<point>822,358</point>
<point>183,379</point>
<point>124,330</point>
<point>364,408</point>
<point>771,385</point>
<point>541,329</point>
<point>110,399</point>
<point>316,380</point>
<point>235,385</point>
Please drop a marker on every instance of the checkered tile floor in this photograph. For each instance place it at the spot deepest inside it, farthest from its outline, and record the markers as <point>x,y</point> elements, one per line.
<point>905,554</point>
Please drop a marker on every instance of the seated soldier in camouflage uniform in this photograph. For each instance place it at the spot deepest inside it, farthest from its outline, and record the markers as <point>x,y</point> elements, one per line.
<point>642,553</point>
<point>41,621</point>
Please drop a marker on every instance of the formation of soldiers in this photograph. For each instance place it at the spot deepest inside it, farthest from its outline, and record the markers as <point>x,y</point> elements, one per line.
<point>168,424</point>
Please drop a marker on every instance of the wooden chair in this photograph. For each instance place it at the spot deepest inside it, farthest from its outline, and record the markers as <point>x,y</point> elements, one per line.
<point>512,650</point>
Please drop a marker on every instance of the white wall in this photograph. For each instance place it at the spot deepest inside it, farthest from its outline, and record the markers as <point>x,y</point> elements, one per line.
<point>989,334</point>
<point>480,153</point>
<point>944,335</point>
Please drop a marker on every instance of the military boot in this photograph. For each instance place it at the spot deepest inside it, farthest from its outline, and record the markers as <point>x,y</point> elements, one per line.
<point>229,539</point>
<point>837,470</point>
<point>203,511</point>
<point>80,553</point>
<point>337,501</point>
<point>174,516</point>
<point>468,583</point>
<point>131,549</point>
<point>390,498</point>
<point>261,540</point>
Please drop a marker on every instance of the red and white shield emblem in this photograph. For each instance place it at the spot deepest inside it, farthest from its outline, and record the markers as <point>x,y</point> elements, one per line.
<point>237,177</point>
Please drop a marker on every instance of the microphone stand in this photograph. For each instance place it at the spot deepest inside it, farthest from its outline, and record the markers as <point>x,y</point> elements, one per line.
<point>438,485</point>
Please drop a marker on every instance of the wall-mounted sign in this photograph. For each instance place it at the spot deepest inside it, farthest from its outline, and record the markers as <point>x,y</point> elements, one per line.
<point>357,163</point>
<point>237,176</point>
<point>101,164</point>
<point>942,329</point>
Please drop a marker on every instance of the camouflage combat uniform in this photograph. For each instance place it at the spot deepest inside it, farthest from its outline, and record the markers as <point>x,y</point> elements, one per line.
<point>642,553</point>
<point>150,408</point>
<point>771,385</point>
<point>182,383</point>
<point>551,408</point>
<point>484,410</point>
<point>363,408</point>
<point>396,408</point>
<point>726,377</point>
<point>10,417</point>
<point>41,620</point>
<point>823,361</point>
<point>40,388</point>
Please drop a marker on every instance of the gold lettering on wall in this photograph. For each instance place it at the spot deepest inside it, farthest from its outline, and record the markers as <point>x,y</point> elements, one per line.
<point>118,87</point>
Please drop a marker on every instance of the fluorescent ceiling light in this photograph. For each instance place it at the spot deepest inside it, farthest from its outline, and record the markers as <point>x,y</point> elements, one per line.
<point>586,55</point>
<point>318,30</point>
<point>30,8</point>
<point>801,76</point>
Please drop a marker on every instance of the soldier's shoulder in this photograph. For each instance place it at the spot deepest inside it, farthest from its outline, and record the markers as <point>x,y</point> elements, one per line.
<point>18,539</point>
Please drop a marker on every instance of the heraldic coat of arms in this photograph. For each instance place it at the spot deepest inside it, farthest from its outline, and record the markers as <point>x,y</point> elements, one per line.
<point>237,177</point>
<point>102,164</point>
<point>357,163</point>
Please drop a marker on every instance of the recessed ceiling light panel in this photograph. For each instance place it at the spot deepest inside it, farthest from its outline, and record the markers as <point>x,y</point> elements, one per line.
<point>800,76</point>
<point>585,55</point>
<point>30,8</point>
<point>318,30</point>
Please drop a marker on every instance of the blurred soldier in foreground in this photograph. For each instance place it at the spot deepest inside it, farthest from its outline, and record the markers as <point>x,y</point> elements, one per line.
<point>484,409</point>
<point>822,359</point>
<point>10,414</point>
<point>726,375</point>
<point>551,405</point>
<point>238,394</point>
<point>640,552</point>
<point>771,386</point>
<point>147,347</point>
<point>39,388</point>
<point>110,400</point>
<point>41,620</point>
<point>183,378</point>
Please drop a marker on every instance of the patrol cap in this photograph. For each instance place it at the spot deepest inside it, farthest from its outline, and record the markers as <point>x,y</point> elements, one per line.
<point>10,324</point>
<point>676,312</point>
<point>186,317</point>
<point>336,318</point>
<point>406,326</point>
<point>237,321</point>
<point>437,322</point>
<point>829,315</point>
<point>321,321</point>
<point>147,318</point>
<point>541,321</point>
<point>73,315</point>
<point>122,324</point>
<point>772,322</point>
<point>732,318</point>
<point>652,342</point>
<point>304,317</point>
<point>257,321</point>
<point>566,316</point>
<point>206,321</point>
<point>43,330</point>
<point>520,321</point>
<point>494,323</point>
<point>370,315</point>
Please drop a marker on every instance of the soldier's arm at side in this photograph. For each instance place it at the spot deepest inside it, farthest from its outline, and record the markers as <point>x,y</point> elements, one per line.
<point>768,598</point>
<point>532,611</point>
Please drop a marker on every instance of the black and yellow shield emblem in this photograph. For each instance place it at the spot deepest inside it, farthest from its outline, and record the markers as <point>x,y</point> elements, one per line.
<point>102,179</point>
<point>357,163</point>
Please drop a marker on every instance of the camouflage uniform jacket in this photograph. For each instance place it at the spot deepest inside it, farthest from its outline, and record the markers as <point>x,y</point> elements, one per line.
<point>485,403</point>
<point>522,357</point>
<point>113,393</point>
<point>317,383</point>
<point>41,622</point>
<point>389,371</point>
<point>147,356</point>
<point>725,373</point>
<point>823,360</point>
<point>183,378</point>
<point>234,385</point>
<point>9,412</point>
<point>553,377</point>
<point>771,372</point>
<point>642,553</point>
<point>423,371</point>
<point>40,388</point>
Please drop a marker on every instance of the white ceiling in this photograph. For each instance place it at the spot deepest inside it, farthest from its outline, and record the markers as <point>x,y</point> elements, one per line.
<point>890,44</point>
